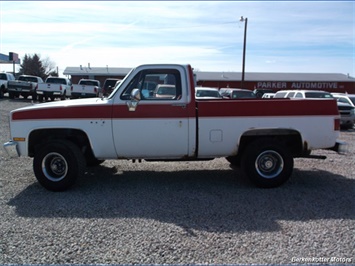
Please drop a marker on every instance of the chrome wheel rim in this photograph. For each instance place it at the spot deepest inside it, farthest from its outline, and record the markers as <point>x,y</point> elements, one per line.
<point>269,164</point>
<point>54,166</point>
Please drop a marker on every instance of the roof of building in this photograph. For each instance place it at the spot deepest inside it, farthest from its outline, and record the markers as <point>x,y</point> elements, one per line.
<point>102,71</point>
<point>220,76</point>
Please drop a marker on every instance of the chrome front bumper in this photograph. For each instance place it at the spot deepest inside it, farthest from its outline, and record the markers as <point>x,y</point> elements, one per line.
<point>11,150</point>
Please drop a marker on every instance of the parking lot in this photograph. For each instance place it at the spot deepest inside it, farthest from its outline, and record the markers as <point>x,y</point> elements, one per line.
<point>178,213</point>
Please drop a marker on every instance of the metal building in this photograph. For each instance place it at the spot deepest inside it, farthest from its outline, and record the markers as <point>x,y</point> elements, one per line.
<point>331,82</point>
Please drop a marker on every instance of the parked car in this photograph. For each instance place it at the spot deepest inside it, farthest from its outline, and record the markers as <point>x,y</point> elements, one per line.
<point>4,78</point>
<point>207,93</point>
<point>109,85</point>
<point>260,92</point>
<point>312,94</point>
<point>85,88</point>
<point>165,91</point>
<point>25,85</point>
<point>268,95</point>
<point>346,111</point>
<point>236,93</point>
<point>345,98</point>
<point>54,87</point>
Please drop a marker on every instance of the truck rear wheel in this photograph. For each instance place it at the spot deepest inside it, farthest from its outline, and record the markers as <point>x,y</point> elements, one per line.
<point>58,164</point>
<point>267,163</point>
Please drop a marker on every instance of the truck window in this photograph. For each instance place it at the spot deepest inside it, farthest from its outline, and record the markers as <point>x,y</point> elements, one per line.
<point>290,95</point>
<point>30,79</point>
<point>156,84</point>
<point>298,95</point>
<point>56,81</point>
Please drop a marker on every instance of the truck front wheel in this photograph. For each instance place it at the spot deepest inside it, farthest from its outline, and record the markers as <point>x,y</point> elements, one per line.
<point>267,163</point>
<point>58,164</point>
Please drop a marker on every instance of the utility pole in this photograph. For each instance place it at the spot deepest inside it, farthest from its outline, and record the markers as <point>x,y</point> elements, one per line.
<point>245,20</point>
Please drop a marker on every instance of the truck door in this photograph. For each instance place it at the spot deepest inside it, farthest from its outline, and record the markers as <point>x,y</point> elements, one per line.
<point>157,125</point>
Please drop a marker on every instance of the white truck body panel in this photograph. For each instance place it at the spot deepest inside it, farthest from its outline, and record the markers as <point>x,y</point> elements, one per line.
<point>216,135</point>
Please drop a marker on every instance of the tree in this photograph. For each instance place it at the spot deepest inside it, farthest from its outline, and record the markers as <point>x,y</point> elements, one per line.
<point>34,65</point>
<point>49,67</point>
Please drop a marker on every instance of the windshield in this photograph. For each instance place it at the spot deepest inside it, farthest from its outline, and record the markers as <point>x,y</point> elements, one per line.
<point>352,99</point>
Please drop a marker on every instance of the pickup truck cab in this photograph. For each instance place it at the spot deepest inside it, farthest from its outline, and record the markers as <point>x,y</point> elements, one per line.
<point>54,87</point>
<point>261,136</point>
<point>4,79</point>
<point>86,88</point>
<point>25,85</point>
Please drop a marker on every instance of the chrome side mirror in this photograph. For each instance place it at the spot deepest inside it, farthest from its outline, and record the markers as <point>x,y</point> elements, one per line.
<point>136,95</point>
<point>135,98</point>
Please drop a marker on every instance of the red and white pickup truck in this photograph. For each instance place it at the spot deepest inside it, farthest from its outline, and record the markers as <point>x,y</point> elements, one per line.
<point>262,136</point>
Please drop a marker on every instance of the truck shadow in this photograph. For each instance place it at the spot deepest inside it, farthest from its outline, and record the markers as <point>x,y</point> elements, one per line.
<point>205,200</point>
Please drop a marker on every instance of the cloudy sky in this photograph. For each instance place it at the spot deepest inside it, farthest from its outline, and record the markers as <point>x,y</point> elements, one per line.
<point>290,36</point>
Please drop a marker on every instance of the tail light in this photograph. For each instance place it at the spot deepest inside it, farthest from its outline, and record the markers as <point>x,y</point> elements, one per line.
<point>95,89</point>
<point>71,88</point>
<point>60,87</point>
<point>337,124</point>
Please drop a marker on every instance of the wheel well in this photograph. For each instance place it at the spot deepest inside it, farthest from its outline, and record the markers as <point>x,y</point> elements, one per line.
<point>38,137</point>
<point>289,138</point>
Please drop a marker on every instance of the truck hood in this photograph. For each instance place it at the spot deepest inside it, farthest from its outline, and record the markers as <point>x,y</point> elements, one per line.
<point>69,109</point>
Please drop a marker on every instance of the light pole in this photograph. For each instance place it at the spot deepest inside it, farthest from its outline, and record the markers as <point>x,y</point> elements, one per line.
<point>245,20</point>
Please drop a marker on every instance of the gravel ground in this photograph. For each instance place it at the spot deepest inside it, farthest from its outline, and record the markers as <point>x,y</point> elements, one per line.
<point>178,213</point>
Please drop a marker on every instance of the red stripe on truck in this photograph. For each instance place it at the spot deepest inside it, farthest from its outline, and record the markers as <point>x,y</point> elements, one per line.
<point>218,108</point>
<point>267,107</point>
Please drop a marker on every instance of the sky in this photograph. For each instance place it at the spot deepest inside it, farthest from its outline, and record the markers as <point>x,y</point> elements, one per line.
<point>282,36</point>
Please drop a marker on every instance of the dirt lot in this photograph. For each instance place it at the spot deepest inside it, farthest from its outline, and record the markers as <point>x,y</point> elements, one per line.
<point>185,213</point>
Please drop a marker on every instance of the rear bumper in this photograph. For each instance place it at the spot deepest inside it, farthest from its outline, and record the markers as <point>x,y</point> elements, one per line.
<point>19,90</point>
<point>49,93</point>
<point>11,150</point>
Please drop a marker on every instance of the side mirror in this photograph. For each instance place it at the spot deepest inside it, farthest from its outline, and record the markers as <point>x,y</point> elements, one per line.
<point>136,95</point>
<point>135,98</point>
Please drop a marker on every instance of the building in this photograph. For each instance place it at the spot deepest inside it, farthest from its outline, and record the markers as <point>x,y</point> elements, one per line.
<point>98,73</point>
<point>331,82</point>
